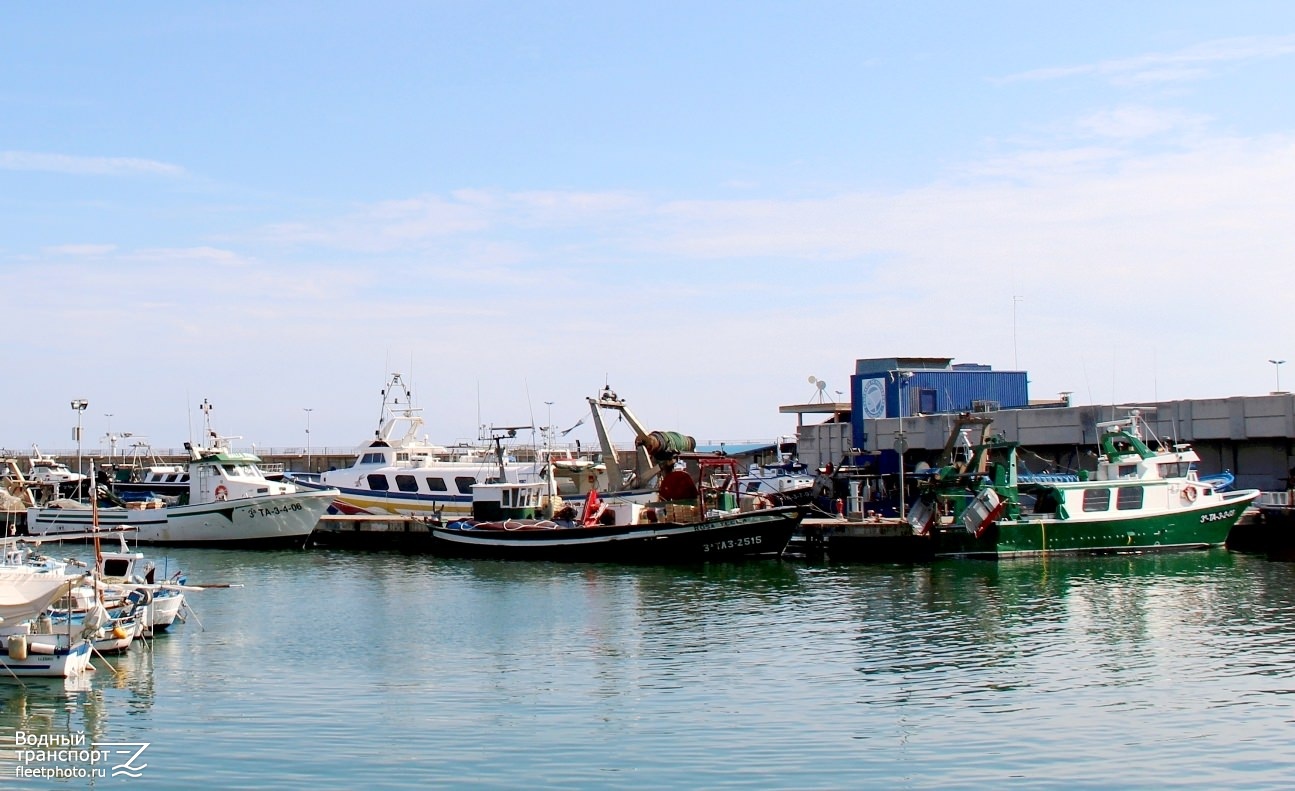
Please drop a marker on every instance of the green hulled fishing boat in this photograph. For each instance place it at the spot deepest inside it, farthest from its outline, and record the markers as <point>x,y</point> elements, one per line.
<point>1138,499</point>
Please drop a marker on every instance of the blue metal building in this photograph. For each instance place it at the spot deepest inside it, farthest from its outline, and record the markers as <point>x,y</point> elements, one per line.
<point>908,386</point>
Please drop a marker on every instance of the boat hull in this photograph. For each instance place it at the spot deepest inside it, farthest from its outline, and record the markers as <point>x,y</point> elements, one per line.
<point>162,612</point>
<point>752,533</point>
<point>61,662</point>
<point>1197,528</point>
<point>351,501</point>
<point>272,520</point>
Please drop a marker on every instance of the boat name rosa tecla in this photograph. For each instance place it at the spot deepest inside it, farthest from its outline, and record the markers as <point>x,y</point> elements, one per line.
<point>980,504</point>
<point>697,515</point>
<point>229,502</point>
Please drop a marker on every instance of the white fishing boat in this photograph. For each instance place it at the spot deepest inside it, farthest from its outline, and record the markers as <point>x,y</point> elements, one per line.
<point>51,474</point>
<point>399,473</point>
<point>788,482</point>
<point>229,503</point>
<point>126,573</point>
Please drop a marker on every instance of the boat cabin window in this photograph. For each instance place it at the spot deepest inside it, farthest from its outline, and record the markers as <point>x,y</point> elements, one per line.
<point>402,456</point>
<point>406,483</point>
<point>378,483</point>
<point>373,458</point>
<point>1174,469</point>
<point>115,567</point>
<point>1097,499</point>
<point>465,483</point>
<point>436,485</point>
<point>1127,470</point>
<point>1129,498</point>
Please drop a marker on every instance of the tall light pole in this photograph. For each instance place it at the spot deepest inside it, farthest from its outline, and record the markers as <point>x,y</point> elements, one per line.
<point>78,405</point>
<point>901,442</point>
<point>308,410</point>
<point>1016,360</point>
<point>1277,366</point>
<point>112,441</point>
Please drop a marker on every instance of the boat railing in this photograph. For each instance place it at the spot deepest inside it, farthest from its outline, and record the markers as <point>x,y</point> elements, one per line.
<point>1283,499</point>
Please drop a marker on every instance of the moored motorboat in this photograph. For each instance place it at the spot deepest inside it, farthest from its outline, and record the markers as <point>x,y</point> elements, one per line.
<point>729,536</point>
<point>1138,499</point>
<point>29,646</point>
<point>127,574</point>
<point>699,516</point>
<point>229,503</point>
<point>398,473</point>
<point>47,471</point>
<point>788,482</point>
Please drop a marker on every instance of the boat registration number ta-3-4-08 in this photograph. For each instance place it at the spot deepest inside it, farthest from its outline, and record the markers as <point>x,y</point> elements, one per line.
<point>1218,515</point>
<point>255,511</point>
<point>733,543</point>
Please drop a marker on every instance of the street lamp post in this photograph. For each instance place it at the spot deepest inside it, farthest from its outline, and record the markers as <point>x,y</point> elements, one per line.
<point>112,441</point>
<point>901,442</point>
<point>1277,366</point>
<point>78,405</point>
<point>308,410</point>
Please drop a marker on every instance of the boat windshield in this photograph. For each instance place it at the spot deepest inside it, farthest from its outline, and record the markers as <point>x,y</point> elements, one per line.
<point>241,470</point>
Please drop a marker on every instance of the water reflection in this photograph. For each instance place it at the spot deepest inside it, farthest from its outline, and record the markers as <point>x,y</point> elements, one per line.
<point>73,712</point>
<point>953,673</point>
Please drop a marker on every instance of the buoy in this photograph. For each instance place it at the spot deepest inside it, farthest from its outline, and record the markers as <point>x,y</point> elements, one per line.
<point>840,507</point>
<point>17,647</point>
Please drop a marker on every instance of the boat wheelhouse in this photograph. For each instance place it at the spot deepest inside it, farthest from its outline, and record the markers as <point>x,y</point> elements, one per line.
<point>1137,499</point>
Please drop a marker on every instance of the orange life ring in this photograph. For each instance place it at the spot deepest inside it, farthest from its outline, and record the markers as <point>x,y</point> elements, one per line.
<point>221,492</point>
<point>1189,494</point>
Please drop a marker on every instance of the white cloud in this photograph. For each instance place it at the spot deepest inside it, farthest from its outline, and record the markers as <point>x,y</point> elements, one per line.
<point>95,166</point>
<point>80,250</point>
<point>1189,63</point>
<point>1140,274</point>
<point>1130,122</point>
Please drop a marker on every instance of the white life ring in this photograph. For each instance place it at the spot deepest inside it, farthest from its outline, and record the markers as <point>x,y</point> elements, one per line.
<point>1189,494</point>
<point>221,492</point>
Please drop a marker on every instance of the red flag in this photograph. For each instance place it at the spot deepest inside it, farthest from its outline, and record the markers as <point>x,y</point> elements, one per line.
<point>593,509</point>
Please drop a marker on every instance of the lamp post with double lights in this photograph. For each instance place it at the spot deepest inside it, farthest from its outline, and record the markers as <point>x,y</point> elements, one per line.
<point>1277,366</point>
<point>79,405</point>
<point>308,410</point>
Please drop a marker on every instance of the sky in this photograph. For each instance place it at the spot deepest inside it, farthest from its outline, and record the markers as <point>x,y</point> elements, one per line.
<point>274,206</point>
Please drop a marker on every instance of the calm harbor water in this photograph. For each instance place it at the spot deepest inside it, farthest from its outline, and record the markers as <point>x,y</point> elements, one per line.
<point>348,670</point>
